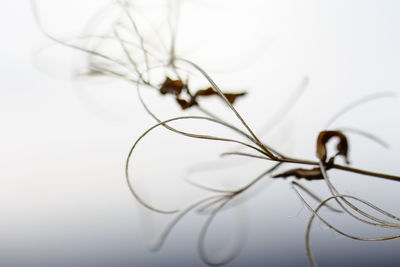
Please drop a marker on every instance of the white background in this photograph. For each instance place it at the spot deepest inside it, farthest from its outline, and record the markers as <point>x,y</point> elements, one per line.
<point>63,198</point>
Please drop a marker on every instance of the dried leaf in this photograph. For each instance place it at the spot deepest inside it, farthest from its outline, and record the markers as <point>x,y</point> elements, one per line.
<point>323,139</point>
<point>202,92</point>
<point>232,96</point>
<point>172,87</point>
<point>210,91</point>
<point>308,174</point>
<point>185,104</point>
<point>206,92</point>
<point>175,87</point>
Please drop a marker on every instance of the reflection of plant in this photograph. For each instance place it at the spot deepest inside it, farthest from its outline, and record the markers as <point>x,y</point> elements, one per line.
<point>124,52</point>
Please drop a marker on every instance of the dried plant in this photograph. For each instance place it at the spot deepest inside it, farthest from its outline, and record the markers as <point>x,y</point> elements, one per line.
<point>220,198</point>
<point>139,62</point>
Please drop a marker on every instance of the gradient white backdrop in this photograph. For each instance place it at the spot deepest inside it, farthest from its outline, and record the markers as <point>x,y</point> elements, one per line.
<point>63,198</point>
